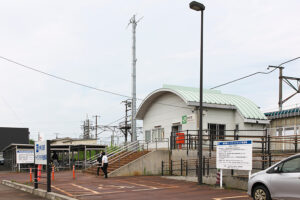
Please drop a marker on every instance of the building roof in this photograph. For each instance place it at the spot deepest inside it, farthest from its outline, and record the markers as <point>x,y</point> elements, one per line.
<point>283,113</point>
<point>211,98</point>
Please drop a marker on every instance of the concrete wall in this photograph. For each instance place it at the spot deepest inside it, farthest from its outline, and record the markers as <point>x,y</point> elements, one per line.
<point>149,164</point>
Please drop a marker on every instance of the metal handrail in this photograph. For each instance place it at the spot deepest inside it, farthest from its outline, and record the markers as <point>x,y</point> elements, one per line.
<point>112,152</point>
<point>124,148</point>
<point>124,155</point>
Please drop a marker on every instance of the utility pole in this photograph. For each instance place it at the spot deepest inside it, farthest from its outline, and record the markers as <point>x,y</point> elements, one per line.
<point>56,137</point>
<point>96,126</point>
<point>280,88</point>
<point>133,75</point>
<point>126,126</point>
<point>286,79</point>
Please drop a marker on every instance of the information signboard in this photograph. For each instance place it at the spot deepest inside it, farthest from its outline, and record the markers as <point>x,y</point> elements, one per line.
<point>234,155</point>
<point>40,150</point>
<point>25,156</point>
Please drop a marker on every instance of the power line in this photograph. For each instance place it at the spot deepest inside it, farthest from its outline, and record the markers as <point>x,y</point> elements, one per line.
<point>63,79</point>
<point>12,110</point>
<point>242,78</point>
<point>253,74</point>
<point>77,83</point>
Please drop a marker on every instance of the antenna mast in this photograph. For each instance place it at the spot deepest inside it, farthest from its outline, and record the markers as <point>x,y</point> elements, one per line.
<point>133,76</point>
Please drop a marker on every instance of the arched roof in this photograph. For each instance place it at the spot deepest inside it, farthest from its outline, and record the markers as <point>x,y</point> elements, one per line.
<point>191,96</point>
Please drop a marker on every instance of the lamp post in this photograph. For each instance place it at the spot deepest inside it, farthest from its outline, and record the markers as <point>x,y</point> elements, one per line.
<point>200,7</point>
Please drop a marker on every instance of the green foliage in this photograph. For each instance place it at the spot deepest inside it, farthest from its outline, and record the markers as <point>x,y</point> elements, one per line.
<point>31,141</point>
<point>111,149</point>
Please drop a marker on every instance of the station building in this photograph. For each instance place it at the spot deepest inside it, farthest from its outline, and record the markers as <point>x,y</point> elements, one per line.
<point>173,109</point>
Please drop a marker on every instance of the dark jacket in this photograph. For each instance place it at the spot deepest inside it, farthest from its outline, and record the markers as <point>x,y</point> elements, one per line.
<point>99,160</point>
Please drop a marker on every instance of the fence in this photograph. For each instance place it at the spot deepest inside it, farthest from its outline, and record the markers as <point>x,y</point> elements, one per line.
<point>264,141</point>
<point>269,147</point>
<point>190,167</point>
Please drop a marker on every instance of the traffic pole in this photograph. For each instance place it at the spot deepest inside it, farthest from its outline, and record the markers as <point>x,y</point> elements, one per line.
<point>74,172</point>
<point>52,173</point>
<point>39,170</point>
<point>48,168</point>
<point>30,174</point>
<point>218,178</point>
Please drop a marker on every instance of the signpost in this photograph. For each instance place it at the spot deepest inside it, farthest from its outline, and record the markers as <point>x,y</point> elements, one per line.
<point>40,149</point>
<point>234,155</point>
<point>42,157</point>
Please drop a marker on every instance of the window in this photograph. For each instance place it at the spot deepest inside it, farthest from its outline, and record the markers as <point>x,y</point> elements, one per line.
<point>217,131</point>
<point>291,166</point>
<point>148,136</point>
<point>157,134</point>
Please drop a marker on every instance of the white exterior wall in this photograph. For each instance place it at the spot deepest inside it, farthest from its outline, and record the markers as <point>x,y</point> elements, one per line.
<point>165,116</point>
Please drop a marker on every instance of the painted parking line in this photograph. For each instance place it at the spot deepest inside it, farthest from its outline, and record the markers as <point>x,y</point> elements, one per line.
<point>233,197</point>
<point>147,186</point>
<point>167,186</point>
<point>114,187</point>
<point>63,191</point>
<point>115,192</point>
<point>86,189</point>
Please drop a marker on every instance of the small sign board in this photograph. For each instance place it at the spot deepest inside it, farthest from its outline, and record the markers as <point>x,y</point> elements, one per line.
<point>40,150</point>
<point>25,156</point>
<point>184,119</point>
<point>234,155</point>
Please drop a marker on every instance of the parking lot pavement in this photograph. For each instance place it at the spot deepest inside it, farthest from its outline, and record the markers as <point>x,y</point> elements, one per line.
<point>87,186</point>
<point>11,193</point>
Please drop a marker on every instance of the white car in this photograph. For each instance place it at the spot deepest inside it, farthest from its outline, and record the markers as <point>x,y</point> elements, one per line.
<point>280,181</point>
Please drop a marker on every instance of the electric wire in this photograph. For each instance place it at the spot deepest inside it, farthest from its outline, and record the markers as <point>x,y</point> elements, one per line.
<point>80,84</point>
<point>63,79</point>
<point>254,74</point>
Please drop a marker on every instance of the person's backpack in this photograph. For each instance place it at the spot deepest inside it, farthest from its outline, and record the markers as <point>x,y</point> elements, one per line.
<point>99,159</point>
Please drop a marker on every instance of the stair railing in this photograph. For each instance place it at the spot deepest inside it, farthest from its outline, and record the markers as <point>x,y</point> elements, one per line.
<point>134,148</point>
<point>115,154</point>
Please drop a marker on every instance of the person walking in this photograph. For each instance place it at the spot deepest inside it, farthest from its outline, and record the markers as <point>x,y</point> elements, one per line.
<point>104,164</point>
<point>55,160</point>
<point>99,160</point>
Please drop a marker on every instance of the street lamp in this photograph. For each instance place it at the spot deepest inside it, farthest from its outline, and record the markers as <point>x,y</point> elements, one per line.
<point>200,7</point>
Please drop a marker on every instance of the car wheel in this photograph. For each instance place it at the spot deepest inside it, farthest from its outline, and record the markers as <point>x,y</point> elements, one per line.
<point>261,193</point>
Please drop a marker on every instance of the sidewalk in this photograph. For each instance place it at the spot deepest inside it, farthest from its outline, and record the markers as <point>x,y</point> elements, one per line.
<point>10,193</point>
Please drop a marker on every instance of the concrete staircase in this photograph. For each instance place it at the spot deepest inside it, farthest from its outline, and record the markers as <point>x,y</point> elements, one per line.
<point>117,161</point>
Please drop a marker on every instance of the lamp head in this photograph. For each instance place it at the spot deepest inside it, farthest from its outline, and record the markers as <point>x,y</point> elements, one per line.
<point>197,6</point>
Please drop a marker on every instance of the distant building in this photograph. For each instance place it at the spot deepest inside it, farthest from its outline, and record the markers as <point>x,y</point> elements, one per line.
<point>73,141</point>
<point>10,135</point>
<point>285,122</point>
<point>172,109</point>
<point>289,117</point>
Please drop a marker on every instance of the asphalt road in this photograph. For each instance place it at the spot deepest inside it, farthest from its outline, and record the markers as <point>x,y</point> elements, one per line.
<point>90,187</point>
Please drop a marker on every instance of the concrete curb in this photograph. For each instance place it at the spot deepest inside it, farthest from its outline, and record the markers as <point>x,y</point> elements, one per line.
<point>37,192</point>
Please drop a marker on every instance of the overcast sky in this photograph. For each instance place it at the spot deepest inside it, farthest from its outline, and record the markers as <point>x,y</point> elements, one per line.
<point>87,42</point>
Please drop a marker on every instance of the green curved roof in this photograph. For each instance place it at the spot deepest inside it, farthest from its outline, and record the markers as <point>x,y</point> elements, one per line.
<point>246,107</point>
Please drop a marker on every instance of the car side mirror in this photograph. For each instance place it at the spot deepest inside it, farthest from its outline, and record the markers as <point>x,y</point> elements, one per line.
<point>277,169</point>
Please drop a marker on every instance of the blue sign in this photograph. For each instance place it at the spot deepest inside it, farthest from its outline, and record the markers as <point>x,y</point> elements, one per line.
<point>235,142</point>
<point>40,153</point>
